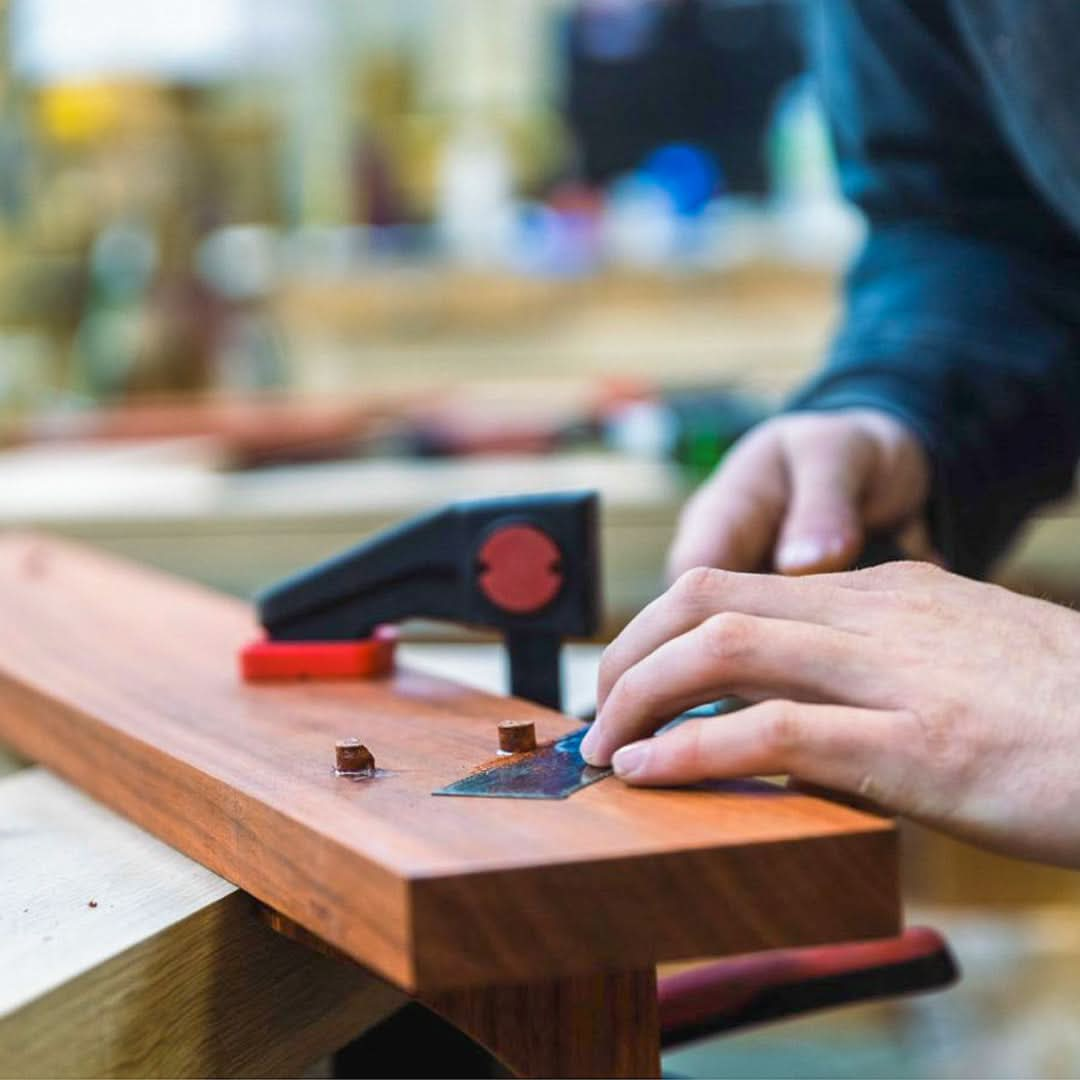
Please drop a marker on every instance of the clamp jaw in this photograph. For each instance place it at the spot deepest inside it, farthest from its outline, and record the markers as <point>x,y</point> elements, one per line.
<point>526,566</point>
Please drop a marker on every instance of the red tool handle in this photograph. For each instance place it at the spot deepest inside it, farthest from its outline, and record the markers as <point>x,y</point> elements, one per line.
<point>768,986</point>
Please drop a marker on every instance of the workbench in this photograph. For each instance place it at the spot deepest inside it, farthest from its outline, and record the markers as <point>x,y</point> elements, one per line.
<point>535,928</point>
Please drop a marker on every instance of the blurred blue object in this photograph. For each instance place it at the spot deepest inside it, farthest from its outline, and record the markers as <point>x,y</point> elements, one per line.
<point>689,174</point>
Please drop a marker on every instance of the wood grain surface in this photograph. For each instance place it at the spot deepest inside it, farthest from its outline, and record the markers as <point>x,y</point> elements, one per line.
<point>125,681</point>
<point>585,1025</point>
<point>121,957</point>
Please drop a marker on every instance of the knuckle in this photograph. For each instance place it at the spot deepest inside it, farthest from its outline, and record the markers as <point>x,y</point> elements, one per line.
<point>923,571</point>
<point>916,572</point>
<point>901,575</point>
<point>756,449</point>
<point>695,584</point>
<point>686,753</point>
<point>782,728</point>
<point>609,668</point>
<point>879,576</point>
<point>947,740</point>
<point>944,748</point>
<point>728,635</point>
<point>768,431</point>
<point>810,426</point>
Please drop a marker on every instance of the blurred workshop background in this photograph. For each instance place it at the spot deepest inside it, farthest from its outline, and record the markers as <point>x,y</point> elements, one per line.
<point>276,273</point>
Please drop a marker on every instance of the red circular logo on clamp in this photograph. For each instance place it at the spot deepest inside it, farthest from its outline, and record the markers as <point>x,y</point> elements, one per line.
<point>520,569</point>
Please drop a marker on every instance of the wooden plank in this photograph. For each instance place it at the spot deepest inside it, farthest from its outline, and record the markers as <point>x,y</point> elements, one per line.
<point>125,682</point>
<point>121,957</point>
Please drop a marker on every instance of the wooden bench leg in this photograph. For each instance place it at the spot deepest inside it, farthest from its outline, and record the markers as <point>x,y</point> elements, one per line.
<point>585,1026</point>
<point>602,1025</point>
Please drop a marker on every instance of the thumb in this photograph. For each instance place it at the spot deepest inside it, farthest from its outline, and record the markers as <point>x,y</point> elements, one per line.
<point>822,529</point>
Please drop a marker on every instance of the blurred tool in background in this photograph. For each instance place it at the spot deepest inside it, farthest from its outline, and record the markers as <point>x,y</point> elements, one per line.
<point>690,427</point>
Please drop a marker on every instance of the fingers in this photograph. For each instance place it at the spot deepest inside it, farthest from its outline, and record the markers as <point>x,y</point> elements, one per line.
<point>849,472</point>
<point>702,592</point>
<point>858,751</point>
<point>822,529</point>
<point>900,484</point>
<point>739,654</point>
<point>732,520</point>
<point>797,493</point>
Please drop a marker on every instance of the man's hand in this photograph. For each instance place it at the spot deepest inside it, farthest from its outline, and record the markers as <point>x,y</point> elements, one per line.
<point>799,491</point>
<point>949,701</point>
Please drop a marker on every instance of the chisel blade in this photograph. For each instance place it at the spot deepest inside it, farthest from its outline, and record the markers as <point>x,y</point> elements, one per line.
<point>554,771</point>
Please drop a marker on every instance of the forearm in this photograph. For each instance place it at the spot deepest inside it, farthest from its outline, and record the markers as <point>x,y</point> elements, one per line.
<point>968,342</point>
<point>963,313</point>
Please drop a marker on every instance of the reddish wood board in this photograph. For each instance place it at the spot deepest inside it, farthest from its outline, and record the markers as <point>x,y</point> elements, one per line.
<point>125,681</point>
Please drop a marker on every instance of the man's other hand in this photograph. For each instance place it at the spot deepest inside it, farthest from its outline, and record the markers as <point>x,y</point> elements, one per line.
<point>799,492</point>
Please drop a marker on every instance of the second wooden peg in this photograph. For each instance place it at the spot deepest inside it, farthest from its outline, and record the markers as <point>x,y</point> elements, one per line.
<point>517,736</point>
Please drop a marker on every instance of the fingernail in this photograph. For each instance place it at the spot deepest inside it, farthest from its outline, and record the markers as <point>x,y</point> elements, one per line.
<point>807,551</point>
<point>630,759</point>
<point>589,743</point>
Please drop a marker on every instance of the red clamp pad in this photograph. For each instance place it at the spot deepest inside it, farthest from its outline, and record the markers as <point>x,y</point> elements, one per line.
<point>267,661</point>
<point>520,569</point>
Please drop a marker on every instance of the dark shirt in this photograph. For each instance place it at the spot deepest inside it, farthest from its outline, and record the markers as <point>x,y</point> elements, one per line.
<point>957,129</point>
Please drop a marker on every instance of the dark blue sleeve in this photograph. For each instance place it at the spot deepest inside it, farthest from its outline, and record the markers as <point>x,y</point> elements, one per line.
<point>963,312</point>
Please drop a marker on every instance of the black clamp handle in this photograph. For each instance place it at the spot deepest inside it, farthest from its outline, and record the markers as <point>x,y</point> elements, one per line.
<point>527,566</point>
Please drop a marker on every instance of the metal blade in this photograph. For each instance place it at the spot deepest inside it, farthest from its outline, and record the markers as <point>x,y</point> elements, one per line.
<point>550,772</point>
